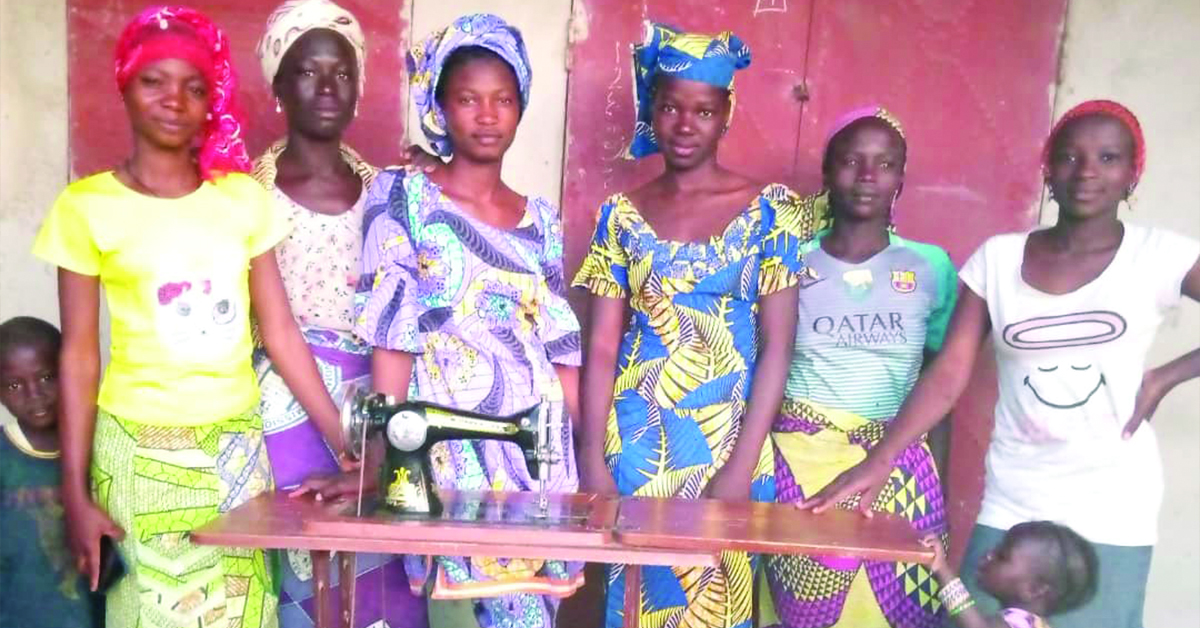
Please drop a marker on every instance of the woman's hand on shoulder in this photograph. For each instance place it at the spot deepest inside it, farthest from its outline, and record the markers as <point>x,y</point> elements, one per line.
<point>416,157</point>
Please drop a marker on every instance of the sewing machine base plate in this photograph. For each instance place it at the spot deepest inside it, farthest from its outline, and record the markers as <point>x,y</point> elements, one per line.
<point>472,515</point>
<point>474,507</point>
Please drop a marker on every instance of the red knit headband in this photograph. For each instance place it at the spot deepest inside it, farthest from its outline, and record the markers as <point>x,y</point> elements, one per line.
<point>170,32</point>
<point>1101,107</point>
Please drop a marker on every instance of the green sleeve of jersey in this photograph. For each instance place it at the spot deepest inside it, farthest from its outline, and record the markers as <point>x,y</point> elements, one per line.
<point>945,296</point>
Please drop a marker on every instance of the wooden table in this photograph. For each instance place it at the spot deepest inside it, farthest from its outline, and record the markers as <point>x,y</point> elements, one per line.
<point>592,528</point>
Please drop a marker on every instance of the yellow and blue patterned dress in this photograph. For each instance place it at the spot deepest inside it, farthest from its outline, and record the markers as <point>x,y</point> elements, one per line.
<point>684,371</point>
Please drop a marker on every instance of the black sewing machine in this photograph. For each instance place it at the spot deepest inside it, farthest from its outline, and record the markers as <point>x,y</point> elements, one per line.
<point>412,428</point>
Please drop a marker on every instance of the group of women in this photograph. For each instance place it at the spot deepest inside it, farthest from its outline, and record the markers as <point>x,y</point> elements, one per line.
<point>744,341</point>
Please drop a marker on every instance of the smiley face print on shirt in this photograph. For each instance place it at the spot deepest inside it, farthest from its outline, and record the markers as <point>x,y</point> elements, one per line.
<point>1063,382</point>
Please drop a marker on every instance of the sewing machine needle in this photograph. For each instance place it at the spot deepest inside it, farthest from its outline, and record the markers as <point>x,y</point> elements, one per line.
<point>362,466</point>
<point>544,454</point>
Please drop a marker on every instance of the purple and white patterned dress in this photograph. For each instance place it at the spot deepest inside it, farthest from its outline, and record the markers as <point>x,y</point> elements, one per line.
<point>484,313</point>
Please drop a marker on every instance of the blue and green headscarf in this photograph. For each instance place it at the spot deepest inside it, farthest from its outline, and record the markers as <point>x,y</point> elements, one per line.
<point>425,62</point>
<point>693,56</point>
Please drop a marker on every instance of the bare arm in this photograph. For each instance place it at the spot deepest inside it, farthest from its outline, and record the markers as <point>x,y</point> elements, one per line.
<point>568,378</point>
<point>78,382</point>
<point>391,372</point>
<point>605,326</point>
<point>777,333</point>
<point>929,402</point>
<point>968,618</point>
<point>974,618</point>
<point>939,437</point>
<point>79,376</point>
<point>287,349</point>
<point>1159,381</point>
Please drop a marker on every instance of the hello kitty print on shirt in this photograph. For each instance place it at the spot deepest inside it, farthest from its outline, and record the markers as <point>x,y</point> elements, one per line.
<point>198,320</point>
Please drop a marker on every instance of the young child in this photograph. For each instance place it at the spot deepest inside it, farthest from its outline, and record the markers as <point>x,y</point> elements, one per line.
<point>39,585</point>
<point>1039,569</point>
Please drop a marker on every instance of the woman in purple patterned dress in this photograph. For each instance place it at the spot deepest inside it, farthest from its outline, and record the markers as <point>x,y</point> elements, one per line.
<point>462,298</point>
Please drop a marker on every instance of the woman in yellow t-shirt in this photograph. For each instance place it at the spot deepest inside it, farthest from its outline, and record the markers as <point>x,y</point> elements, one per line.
<point>181,241</point>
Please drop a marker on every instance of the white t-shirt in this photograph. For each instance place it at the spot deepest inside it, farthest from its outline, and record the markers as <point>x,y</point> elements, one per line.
<point>1070,367</point>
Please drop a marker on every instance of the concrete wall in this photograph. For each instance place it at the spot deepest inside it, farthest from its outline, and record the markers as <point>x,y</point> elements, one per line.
<point>1142,54</point>
<point>33,146</point>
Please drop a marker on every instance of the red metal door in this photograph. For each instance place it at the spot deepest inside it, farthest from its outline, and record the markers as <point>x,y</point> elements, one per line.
<point>972,81</point>
<point>99,132</point>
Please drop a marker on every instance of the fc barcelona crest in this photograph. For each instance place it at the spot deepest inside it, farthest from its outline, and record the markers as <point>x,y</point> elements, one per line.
<point>904,281</point>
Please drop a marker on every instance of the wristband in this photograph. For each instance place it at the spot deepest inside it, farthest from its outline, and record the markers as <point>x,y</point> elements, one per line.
<point>955,597</point>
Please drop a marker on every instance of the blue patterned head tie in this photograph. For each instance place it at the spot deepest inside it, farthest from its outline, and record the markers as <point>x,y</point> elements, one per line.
<point>674,53</point>
<point>425,62</point>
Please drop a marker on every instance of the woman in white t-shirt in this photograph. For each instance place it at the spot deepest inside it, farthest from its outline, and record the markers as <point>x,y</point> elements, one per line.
<point>1074,309</point>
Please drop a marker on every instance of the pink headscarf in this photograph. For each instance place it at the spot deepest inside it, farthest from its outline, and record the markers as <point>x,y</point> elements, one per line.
<point>854,115</point>
<point>172,32</point>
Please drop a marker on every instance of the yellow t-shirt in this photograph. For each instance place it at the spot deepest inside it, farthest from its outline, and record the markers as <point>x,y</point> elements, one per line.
<point>176,276</point>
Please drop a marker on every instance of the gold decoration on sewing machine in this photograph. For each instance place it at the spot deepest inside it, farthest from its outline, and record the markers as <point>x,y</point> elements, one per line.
<point>412,428</point>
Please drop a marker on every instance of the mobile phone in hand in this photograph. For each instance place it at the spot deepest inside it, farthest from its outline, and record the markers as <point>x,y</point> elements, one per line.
<point>112,566</point>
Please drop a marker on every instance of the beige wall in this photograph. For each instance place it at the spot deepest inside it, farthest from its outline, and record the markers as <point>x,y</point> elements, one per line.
<point>1144,54</point>
<point>1138,53</point>
<point>33,146</point>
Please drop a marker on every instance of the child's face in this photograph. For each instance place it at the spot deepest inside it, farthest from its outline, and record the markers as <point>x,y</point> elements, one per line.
<point>29,384</point>
<point>1010,571</point>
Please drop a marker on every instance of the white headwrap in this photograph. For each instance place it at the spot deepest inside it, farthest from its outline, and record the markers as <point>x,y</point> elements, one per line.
<point>294,18</point>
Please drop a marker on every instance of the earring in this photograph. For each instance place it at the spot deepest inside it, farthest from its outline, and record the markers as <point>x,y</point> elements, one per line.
<point>1129,198</point>
<point>355,110</point>
<point>1050,193</point>
<point>278,106</point>
<point>892,212</point>
<point>208,116</point>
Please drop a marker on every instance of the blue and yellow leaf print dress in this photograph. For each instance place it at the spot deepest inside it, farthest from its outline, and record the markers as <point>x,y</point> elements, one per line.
<point>684,370</point>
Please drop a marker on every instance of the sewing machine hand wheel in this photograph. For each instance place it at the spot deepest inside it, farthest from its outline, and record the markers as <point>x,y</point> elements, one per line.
<point>354,421</point>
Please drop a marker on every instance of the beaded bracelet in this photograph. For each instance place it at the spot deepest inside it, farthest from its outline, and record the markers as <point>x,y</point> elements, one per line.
<point>955,597</point>
<point>954,612</point>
